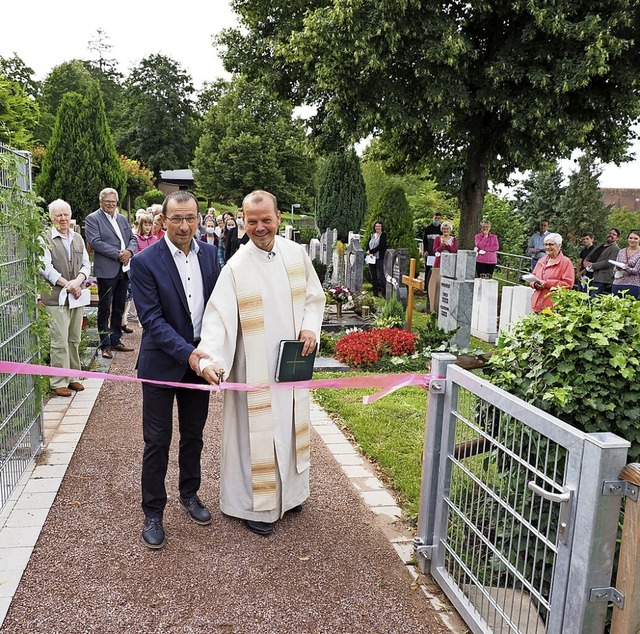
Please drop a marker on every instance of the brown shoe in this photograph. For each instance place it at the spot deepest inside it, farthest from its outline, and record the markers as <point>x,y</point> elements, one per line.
<point>62,391</point>
<point>120,347</point>
<point>106,353</point>
<point>75,386</point>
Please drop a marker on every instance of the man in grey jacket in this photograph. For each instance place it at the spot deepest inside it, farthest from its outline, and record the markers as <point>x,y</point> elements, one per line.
<point>110,236</point>
<point>598,263</point>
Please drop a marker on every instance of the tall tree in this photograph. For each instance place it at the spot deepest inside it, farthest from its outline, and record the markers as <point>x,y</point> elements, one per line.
<point>80,158</point>
<point>14,69</point>
<point>393,209</point>
<point>159,124</point>
<point>342,200</point>
<point>250,140</point>
<point>18,115</point>
<point>475,89</point>
<point>581,208</point>
<point>539,196</point>
<point>67,77</point>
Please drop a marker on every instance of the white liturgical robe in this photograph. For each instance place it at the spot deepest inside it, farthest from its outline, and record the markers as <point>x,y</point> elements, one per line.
<point>223,340</point>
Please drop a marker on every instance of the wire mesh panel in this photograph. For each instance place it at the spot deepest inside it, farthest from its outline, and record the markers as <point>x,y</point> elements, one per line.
<point>506,508</point>
<point>20,405</point>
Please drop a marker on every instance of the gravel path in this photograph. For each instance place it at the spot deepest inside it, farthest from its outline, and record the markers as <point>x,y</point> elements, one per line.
<point>328,569</point>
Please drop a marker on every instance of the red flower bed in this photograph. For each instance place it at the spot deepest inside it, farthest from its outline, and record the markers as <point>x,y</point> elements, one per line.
<point>365,349</point>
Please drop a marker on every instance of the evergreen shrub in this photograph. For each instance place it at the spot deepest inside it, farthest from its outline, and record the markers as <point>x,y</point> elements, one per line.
<point>580,362</point>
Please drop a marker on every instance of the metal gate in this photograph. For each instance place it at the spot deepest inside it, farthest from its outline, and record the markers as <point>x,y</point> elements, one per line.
<point>20,404</point>
<point>516,524</point>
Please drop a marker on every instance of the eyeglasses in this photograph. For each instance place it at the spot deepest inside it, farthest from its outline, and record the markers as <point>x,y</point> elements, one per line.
<point>178,220</point>
<point>550,244</point>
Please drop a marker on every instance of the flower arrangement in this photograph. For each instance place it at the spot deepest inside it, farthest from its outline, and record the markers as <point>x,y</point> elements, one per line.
<point>367,348</point>
<point>338,294</point>
<point>92,285</point>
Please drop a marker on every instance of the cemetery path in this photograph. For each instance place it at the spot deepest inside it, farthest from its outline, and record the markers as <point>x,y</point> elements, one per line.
<point>329,569</point>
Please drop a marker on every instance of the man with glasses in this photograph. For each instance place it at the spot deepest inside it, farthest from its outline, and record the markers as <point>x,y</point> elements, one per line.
<point>110,236</point>
<point>171,282</point>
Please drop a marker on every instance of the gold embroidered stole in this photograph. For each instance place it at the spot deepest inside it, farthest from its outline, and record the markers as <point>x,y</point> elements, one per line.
<point>250,309</point>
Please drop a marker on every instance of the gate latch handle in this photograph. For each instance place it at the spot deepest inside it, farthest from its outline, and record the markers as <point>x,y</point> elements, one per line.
<point>565,496</point>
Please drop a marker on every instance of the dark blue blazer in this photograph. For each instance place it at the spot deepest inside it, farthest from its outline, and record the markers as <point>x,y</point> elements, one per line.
<point>167,340</point>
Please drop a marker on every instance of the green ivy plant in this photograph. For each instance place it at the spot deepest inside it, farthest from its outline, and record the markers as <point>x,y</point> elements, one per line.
<point>579,362</point>
<point>21,222</point>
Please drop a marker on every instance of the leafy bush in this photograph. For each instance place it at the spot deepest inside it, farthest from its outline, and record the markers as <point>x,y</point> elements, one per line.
<point>363,298</point>
<point>328,342</point>
<point>307,234</point>
<point>430,335</point>
<point>392,315</point>
<point>365,349</point>
<point>579,362</point>
<point>153,197</point>
<point>321,269</point>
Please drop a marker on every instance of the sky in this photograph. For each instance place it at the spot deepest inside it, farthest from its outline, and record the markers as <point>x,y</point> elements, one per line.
<point>45,33</point>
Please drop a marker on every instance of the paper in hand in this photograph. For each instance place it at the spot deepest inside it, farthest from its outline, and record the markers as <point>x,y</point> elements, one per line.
<point>530,277</point>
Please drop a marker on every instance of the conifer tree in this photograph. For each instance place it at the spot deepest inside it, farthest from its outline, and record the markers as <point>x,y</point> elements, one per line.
<point>342,201</point>
<point>62,162</point>
<point>81,158</point>
<point>393,209</point>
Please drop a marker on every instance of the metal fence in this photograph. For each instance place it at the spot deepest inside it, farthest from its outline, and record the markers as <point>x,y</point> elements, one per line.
<point>21,429</point>
<point>515,524</point>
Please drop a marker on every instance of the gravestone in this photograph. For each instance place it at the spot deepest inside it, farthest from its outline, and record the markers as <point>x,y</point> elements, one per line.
<point>338,268</point>
<point>353,236</point>
<point>484,319</point>
<point>395,266</point>
<point>355,264</point>
<point>327,240</point>
<point>315,249</point>
<point>457,272</point>
<point>288,232</point>
<point>514,304</point>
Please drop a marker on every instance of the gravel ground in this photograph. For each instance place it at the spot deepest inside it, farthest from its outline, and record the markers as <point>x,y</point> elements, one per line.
<point>328,569</point>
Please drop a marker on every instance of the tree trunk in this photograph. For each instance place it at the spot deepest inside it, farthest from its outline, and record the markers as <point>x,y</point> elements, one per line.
<point>472,192</point>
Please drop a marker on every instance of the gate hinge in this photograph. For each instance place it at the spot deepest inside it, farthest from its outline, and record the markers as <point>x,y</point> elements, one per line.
<point>610,594</point>
<point>437,386</point>
<point>421,549</point>
<point>620,487</point>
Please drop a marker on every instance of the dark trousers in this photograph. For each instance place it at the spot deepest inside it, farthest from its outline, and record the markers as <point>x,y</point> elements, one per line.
<point>157,428</point>
<point>112,297</point>
<point>378,282</point>
<point>599,288</point>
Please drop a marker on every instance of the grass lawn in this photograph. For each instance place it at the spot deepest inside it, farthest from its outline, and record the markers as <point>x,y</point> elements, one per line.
<point>390,431</point>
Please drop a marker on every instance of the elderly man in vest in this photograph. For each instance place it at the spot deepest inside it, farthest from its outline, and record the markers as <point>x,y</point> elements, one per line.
<point>267,292</point>
<point>66,267</point>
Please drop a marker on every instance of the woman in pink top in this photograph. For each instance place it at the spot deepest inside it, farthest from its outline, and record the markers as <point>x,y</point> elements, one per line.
<point>486,247</point>
<point>445,242</point>
<point>554,270</point>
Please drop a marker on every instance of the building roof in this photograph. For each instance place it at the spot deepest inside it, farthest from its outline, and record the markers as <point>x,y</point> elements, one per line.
<point>171,176</point>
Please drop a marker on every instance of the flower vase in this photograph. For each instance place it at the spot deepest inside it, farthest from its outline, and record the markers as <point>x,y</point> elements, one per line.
<point>339,310</point>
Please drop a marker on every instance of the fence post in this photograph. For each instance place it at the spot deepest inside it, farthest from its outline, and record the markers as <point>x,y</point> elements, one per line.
<point>627,620</point>
<point>431,460</point>
<point>594,533</point>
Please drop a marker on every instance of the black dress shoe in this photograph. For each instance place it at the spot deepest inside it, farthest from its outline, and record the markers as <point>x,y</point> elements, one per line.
<point>198,512</point>
<point>296,509</point>
<point>153,533</point>
<point>264,529</point>
<point>127,329</point>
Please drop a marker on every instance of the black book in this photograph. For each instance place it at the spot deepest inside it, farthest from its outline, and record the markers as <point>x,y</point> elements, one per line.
<point>292,366</point>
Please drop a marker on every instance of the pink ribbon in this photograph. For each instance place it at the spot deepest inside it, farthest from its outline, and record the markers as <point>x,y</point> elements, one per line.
<point>387,383</point>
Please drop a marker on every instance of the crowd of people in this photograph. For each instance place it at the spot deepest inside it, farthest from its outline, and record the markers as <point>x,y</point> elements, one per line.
<point>214,297</point>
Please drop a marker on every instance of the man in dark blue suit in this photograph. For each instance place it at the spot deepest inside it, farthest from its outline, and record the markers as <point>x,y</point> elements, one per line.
<point>171,282</point>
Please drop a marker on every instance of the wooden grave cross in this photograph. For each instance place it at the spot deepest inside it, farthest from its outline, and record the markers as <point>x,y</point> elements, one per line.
<point>414,284</point>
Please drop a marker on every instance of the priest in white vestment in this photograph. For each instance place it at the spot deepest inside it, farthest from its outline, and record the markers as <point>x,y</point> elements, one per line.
<point>268,292</point>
